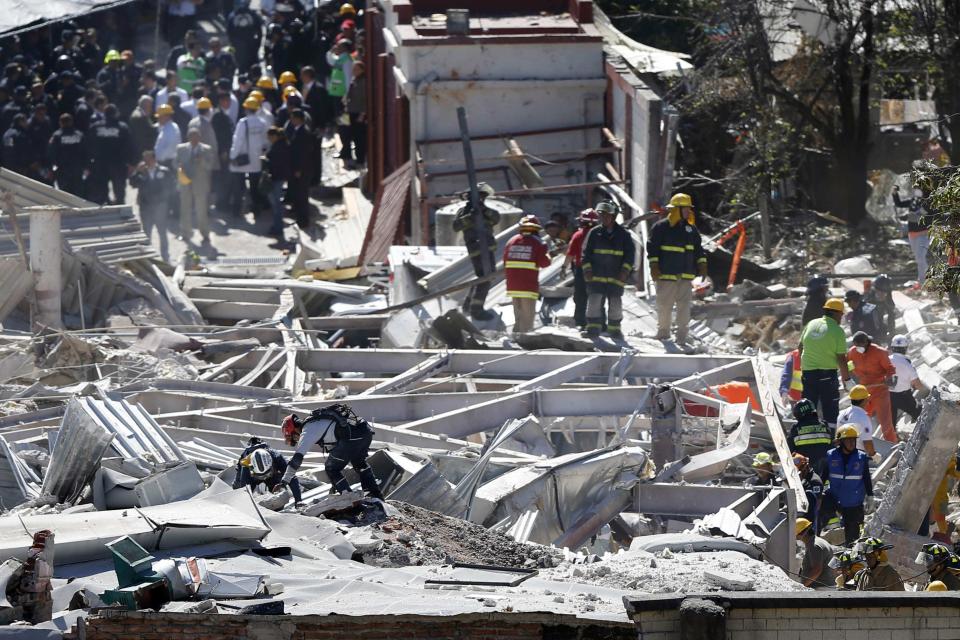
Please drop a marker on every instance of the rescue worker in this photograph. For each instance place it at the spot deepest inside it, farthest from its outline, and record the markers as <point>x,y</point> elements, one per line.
<point>864,316</point>
<point>940,565</point>
<point>111,150</point>
<point>908,381</point>
<point>846,564</point>
<point>259,464</point>
<point>881,294</point>
<point>812,486</point>
<point>817,289</point>
<point>850,482</point>
<point>765,476</point>
<point>791,379</point>
<point>348,437</point>
<point>872,368</point>
<point>676,257</point>
<point>608,254</point>
<point>464,222</point>
<point>815,570</point>
<point>588,219</point>
<point>69,157</point>
<point>810,436</point>
<point>877,575</point>
<point>17,148</point>
<point>823,350</point>
<point>856,415</point>
<point>523,257</point>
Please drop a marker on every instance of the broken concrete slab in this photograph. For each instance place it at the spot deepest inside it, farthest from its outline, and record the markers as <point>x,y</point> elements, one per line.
<point>332,504</point>
<point>728,581</point>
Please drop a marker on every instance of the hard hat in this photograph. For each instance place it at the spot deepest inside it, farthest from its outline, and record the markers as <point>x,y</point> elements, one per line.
<point>680,200</point>
<point>251,103</point>
<point>485,189</point>
<point>872,545</point>
<point>932,553</point>
<point>112,55</point>
<point>257,95</point>
<point>804,408</point>
<point>833,304</point>
<point>291,427</point>
<point>900,341</point>
<point>936,585</point>
<point>859,392</point>
<point>848,431</point>
<point>802,525</point>
<point>346,9</point>
<point>761,459</point>
<point>607,207</point>
<point>204,103</point>
<point>261,463</point>
<point>817,282</point>
<point>883,283</point>
<point>287,77</point>
<point>165,110</point>
<point>844,559</point>
<point>290,90</point>
<point>589,216</point>
<point>530,222</point>
<point>265,82</point>
<point>852,294</point>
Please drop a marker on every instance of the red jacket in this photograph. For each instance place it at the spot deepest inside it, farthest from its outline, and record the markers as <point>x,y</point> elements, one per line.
<point>523,257</point>
<point>575,248</point>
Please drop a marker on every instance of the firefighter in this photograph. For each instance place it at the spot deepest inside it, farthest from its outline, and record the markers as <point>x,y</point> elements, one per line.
<point>877,575</point>
<point>588,219</point>
<point>810,435</point>
<point>940,565</point>
<point>608,255</point>
<point>464,222</point>
<point>259,464</point>
<point>523,257</point>
<point>847,564</point>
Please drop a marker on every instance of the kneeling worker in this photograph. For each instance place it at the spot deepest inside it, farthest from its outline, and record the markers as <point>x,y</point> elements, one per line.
<point>847,564</point>
<point>817,554</point>
<point>941,566</point>
<point>259,464</point>
<point>877,575</point>
<point>335,426</point>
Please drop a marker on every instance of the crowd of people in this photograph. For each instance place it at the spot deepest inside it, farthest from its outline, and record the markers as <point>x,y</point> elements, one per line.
<point>234,123</point>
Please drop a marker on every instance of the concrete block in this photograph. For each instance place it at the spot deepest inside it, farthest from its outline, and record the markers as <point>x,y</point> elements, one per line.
<point>847,623</point>
<point>170,485</point>
<point>728,581</point>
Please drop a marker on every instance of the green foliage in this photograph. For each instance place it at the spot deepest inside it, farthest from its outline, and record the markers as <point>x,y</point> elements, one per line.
<point>941,185</point>
<point>665,24</point>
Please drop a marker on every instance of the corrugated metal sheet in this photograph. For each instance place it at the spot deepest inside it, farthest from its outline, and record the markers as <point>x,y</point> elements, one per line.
<point>392,198</point>
<point>18,14</point>
<point>15,283</point>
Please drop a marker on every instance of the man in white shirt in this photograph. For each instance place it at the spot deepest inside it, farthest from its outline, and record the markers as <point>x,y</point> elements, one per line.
<point>901,393</point>
<point>168,137</point>
<point>856,415</point>
<point>171,87</point>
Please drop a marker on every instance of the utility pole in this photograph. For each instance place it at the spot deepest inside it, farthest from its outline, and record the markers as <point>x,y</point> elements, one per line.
<point>478,221</point>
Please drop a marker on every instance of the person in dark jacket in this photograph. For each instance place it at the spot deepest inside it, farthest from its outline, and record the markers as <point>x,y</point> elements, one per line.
<point>918,221</point>
<point>19,105</point>
<point>864,316</point>
<point>110,148</point>
<point>465,223</point>
<point>812,486</point>
<point>155,188</point>
<point>69,156</point>
<point>259,464</point>
<point>355,105</point>
<point>180,116</point>
<point>245,30</point>
<point>881,294</point>
<point>39,130</point>
<point>810,436</point>
<point>16,146</point>
<point>143,133</point>
<point>279,164</point>
<point>608,255</point>
<point>817,289</point>
<point>301,154</point>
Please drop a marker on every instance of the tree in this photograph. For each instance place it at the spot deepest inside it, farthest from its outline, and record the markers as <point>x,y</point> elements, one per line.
<point>941,188</point>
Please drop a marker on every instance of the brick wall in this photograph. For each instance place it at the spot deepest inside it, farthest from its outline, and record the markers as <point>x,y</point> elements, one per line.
<point>124,625</point>
<point>822,615</point>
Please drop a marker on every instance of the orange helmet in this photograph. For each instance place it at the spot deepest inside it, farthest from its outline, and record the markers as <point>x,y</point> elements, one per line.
<point>291,428</point>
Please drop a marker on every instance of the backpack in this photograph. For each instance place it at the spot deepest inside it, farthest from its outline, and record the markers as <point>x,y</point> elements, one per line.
<point>346,423</point>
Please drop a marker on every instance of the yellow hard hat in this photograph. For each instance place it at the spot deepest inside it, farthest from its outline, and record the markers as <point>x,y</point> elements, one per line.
<point>762,458</point>
<point>164,110</point>
<point>289,90</point>
<point>265,82</point>
<point>834,304</point>
<point>257,95</point>
<point>251,103</point>
<point>112,55</point>
<point>680,200</point>
<point>859,392</point>
<point>936,585</point>
<point>204,103</point>
<point>802,525</point>
<point>347,9</point>
<point>847,431</point>
<point>287,77</point>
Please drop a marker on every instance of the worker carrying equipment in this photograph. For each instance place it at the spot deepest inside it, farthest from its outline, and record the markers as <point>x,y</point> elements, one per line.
<point>465,223</point>
<point>877,575</point>
<point>347,436</point>
<point>941,565</point>
<point>259,464</point>
<point>608,255</point>
<point>523,257</point>
<point>675,252</point>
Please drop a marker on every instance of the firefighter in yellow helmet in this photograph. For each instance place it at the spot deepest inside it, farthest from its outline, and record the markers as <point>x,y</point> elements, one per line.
<point>878,575</point>
<point>847,564</point>
<point>941,565</point>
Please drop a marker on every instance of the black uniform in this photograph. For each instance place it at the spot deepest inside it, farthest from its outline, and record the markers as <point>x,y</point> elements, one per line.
<point>245,30</point>
<point>813,487</point>
<point>866,318</point>
<point>17,149</point>
<point>69,156</point>
<point>110,148</point>
<point>813,438</point>
<point>246,479</point>
<point>464,222</point>
<point>301,153</point>
<point>887,316</point>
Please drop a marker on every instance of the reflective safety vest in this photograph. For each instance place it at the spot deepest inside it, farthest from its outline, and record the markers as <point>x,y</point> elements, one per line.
<point>818,434</point>
<point>846,476</point>
<point>337,82</point>
<point>796,380</point>
<point>523,257</point>
<point>676,249</point>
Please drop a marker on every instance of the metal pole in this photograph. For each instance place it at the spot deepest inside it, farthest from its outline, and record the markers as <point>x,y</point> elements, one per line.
<point>45,262</point>
<point>478,222</point>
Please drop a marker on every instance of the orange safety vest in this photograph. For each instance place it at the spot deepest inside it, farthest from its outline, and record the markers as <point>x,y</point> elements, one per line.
<point>796,381</point>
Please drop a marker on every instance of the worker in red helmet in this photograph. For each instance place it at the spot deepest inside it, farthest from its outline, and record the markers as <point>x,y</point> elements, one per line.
<point>523,257</point>
<point>588,219</point>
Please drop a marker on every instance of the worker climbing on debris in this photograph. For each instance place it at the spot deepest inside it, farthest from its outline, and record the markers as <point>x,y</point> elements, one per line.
<point>863,316</point>
<point>823,350</point>
<point>465,222</point>
<point>941,499</point>
<point>523,257</point>
<point>588,220</point>
<point>791,379</point>
<point>815,571</point>
<point>608,254</point>
<point>259,464</point>
<point>856,415</point>
<point>872,368</point>
<point>849,482</point>
<point>810,436</point>
<point>878,575</point>
<point>847,564</point>
<point>881,294</point>
<point>818,288</point>
<point>348,438</point>
<point>941,565</point>
<point>676,256</point>
<point>764,473</point>
<point>908,380</point>
<point>812,486</point>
